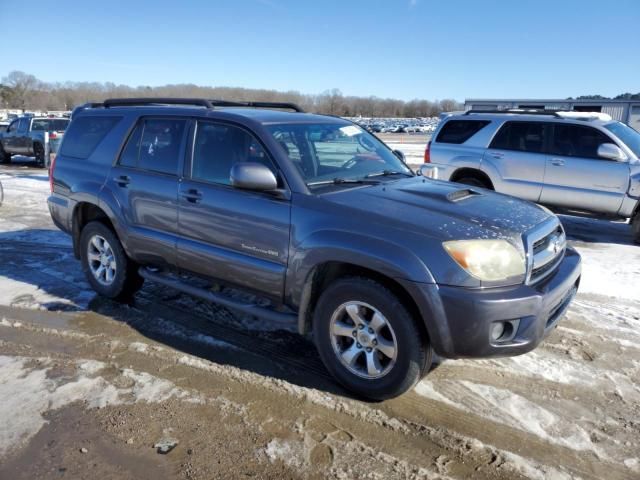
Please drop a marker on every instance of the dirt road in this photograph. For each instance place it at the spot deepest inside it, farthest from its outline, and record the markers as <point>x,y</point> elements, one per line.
<point>90,388</point>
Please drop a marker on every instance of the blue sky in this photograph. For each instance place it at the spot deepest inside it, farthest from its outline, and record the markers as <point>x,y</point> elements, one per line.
<point>388,48</point>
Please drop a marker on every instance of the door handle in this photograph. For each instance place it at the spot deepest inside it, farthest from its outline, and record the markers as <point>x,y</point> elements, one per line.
<point>192,195</point>
<point>122,180</point>
<point>497,155</point>
<point>557,161</point>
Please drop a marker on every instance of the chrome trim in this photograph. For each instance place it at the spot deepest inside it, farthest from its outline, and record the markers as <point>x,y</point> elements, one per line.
<point>553,253</point>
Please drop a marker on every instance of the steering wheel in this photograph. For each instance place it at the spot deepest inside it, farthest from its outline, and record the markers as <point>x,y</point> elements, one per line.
<point>361,158</point>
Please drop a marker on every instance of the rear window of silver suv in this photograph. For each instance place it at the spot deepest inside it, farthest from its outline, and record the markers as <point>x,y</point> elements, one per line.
<point>629,136</point>
<point>459,131</point>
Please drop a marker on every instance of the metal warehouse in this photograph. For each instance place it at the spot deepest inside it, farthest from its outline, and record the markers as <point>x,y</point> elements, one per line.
<point>627,111</point>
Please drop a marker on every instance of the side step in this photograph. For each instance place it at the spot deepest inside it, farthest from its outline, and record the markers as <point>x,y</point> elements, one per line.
<point>249,308</point>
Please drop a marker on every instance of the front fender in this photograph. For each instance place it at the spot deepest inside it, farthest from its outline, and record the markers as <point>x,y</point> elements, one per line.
<point>384,257</point>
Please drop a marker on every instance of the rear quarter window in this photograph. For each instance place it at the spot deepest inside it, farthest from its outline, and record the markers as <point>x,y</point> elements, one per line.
<point>459,131</point>
<point>85,134</point>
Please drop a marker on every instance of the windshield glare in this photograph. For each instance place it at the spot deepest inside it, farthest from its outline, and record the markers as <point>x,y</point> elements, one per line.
<point>324,152</point>
<point>628,135</point>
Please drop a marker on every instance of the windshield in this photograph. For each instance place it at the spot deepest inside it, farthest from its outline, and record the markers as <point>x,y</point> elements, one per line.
<point>332,151</point>
<point>628,135</point>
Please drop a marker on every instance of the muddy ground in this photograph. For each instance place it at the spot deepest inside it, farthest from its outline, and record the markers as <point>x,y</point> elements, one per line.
<point>88,387</point>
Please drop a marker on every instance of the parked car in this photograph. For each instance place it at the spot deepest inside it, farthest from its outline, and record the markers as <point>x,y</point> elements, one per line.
<point>572,160</point>
<point>33,137</point>
<point>321,222</point>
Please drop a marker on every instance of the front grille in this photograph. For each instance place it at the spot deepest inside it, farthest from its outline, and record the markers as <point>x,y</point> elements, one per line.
<point>546,245</point>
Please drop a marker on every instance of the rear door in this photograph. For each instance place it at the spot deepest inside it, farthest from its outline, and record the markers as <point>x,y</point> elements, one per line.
<point>21,139</point>
<point>576,177</point>
<point>238,236</point>
<point>145,184</point>
<point>517,153</point>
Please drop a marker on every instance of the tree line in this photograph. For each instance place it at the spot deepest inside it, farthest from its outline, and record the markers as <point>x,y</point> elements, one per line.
<point>24,91</point>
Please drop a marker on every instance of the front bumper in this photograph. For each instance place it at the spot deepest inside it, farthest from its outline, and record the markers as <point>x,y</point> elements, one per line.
<point>459,320</point>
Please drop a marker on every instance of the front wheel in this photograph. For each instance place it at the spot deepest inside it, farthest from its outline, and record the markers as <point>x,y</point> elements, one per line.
<point>368,340</point>
<point>4,156</point>
<point>106,265</point>
<point>635,227</point>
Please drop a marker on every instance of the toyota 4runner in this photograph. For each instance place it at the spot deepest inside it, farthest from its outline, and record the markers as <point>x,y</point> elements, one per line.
<point>574,160</point>
<point>321,222</point>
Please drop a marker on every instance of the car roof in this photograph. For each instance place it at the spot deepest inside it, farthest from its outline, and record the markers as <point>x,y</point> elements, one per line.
<point>533,117</point>
<point>260,115</point>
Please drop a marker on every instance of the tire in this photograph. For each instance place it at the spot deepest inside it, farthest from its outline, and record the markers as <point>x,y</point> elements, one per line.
<point>124,280</point>
<point>38,151</point>
<point>398,369</point>
<point>474,182</point>
<point>4,156</point>
<point>635,227</point>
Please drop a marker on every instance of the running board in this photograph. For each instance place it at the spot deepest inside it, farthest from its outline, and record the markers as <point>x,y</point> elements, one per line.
<point>248,308</point>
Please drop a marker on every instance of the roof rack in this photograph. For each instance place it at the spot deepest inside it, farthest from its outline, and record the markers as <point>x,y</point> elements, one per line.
<point>518,111</point>
<point>198,102</point>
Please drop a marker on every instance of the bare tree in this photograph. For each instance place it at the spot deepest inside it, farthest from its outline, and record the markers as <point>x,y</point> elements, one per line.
<point>22,86</point>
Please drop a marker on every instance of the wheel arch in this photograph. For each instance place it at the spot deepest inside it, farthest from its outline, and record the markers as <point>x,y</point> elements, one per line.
<point>83,213</point>
<point>324,274</point>
<point>473,173</point>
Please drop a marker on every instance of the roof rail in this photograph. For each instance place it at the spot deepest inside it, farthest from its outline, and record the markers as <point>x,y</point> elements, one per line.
<point>283,105</point>
<point>517,111</point>
<point>126,102</point>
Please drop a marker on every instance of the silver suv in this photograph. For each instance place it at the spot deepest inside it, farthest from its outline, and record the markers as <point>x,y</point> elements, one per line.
<point>574,160</point>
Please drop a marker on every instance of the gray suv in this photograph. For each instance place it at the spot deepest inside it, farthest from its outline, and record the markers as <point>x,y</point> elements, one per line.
<point>574,160</point>
<point>320,223</point>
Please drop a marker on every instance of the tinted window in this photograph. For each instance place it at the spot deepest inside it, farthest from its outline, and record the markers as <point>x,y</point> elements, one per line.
<point>459,131</point>
<point>577,141</point>
<point>13,127</point>
<point>84,134</point>
<point>49,125</point>
<point>522,136</point>
<point>160,145</point>
<point>129,156</point>
<point>218,147</point>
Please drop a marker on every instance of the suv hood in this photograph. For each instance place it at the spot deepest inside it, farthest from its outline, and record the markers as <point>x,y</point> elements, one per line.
<point>443,210</point>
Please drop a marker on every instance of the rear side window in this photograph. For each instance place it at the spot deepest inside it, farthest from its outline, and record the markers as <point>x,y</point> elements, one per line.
<point>84,134</point>
<point>155,145</point>
<point>577,141</point>
<point>459,131</point>
<point>520,136</point>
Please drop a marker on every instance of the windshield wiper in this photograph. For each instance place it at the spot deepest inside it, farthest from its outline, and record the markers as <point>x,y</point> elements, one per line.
<point>388,173</point>
<point>342,181</point>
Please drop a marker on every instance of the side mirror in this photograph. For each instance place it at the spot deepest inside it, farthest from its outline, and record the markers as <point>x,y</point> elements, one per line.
<point>428,171</point>
<point>400,155</point>
<point>253,176</point>
<point>611,152</point>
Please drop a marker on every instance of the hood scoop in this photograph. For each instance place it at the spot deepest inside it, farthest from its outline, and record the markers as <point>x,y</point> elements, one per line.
<point>458,195</point>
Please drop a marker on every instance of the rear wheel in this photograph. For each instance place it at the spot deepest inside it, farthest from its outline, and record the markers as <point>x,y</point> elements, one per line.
<point>635,227</point>
<point>474,182</point>
<point>105,264</point>
<point>4,156</point>
<point>38,151</point>
<point>368,340</point>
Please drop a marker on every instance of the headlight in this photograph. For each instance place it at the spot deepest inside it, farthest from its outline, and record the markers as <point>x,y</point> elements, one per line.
<point>487,260</point>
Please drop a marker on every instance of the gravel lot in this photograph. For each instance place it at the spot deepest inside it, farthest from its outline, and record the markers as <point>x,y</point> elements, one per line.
<point>88,387</point>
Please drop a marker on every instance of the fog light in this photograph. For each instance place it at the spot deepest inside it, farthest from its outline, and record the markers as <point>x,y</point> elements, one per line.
<point>497,329</point>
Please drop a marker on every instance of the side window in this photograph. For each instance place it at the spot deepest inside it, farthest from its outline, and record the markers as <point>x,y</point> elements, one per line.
<point>160,145</point>
<point>85,134</point>
<point>577,141</point>
<point>23,126</point>
<point>459,131</point>
<point>129,156</point>
<point>13,127</point>
<point>218,147</point>
<point>520,136</point>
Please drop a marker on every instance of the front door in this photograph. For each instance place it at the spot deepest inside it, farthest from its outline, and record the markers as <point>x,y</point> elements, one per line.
<point>517,152</point>
<point>576,177</point>
<point>145,184</point>
<point>238,236</point>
